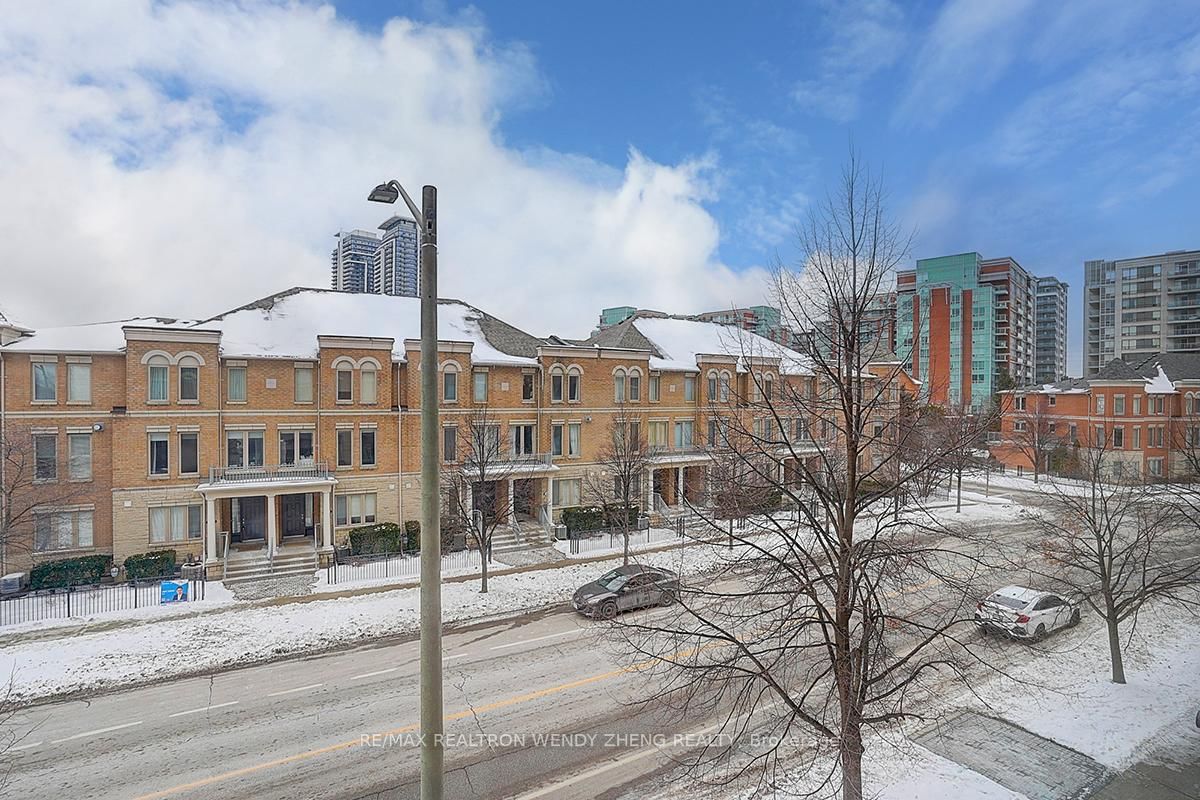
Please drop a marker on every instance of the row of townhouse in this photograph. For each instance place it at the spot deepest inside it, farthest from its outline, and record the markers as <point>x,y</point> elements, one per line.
<point>1143,416</point>
<point>291,420</point>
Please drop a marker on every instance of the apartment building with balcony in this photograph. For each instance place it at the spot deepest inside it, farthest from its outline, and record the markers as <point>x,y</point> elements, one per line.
<point>1144,414</point>
<point>1050,331</point>
<point>1136,307</point>
<point>966,326</point>
<point>279,426</point>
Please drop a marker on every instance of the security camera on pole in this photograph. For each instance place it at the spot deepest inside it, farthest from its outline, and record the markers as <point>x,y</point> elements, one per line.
<point>431,538</point>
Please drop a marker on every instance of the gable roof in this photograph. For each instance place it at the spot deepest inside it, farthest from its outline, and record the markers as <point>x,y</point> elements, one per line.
<point>92,337</point>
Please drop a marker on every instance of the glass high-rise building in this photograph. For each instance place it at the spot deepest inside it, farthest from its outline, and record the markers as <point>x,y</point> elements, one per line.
<point>396,259</point>
<point>352,261</point>
<point>1135,307</point>
<point>1050,330</point>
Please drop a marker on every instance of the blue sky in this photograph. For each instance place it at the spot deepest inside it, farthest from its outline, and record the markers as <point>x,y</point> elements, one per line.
<point>1051,134</point>
<point>655,154</point>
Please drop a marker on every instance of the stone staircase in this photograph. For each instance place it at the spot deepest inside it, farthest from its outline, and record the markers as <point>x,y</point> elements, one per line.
<point>525,536</point>
<point>292,571</point>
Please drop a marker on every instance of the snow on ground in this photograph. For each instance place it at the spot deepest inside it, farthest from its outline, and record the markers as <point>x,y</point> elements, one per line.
<point>219,640</point>
<point>907,771</point>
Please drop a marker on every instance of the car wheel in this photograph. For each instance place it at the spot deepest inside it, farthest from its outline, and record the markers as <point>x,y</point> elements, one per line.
<point>1040,633</point>
<point>667,598</point>
<point>1074,618</point>
<point>607,610</point>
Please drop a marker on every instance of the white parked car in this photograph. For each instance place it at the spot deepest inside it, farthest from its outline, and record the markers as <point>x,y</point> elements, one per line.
<point>1025,613</point>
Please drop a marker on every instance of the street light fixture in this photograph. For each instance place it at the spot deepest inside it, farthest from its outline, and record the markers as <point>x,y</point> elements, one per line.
<point>432,754</point>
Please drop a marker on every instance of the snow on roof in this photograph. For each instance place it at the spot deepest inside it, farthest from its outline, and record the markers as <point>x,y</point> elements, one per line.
<point>96,337</point>
<point>681,340</point>
<point>287,325</point>
<point>1160,383</point>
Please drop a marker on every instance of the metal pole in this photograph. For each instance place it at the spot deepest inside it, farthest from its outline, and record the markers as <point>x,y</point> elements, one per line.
<point>431,540</point>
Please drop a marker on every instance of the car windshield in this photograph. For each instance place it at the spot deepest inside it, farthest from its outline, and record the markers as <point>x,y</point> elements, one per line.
<point>613,580</point>
<point>1006,601</point>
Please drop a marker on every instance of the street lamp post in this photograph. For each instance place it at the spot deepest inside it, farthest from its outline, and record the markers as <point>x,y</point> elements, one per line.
<point>432,754</point>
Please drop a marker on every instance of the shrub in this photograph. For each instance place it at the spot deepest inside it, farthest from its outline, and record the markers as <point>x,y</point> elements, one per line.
<point>594,518</point>
<point>382,537</point>
<point>150,565</point>
<point>69,572</point>
<point>412,535</point>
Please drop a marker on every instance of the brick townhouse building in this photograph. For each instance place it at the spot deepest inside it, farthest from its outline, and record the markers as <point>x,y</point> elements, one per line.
<point>1145,414</point>
<point>281,425</point>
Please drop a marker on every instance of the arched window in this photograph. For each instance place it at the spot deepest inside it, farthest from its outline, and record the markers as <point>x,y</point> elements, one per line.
<point>368,383</point>
<point>768,387</point>
<point>557,379</point>
<point>724,390</point>
<point>159,371</point>
<point>635,385</point>
<point>574,384</point>
<point>712,386</point>
<point>619,385</point>
<point>450,382</point>
<point>344,380</point>
<point>189,379</point>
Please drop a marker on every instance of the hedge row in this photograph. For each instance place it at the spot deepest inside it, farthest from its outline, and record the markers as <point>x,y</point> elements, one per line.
<point>594,518</point>
<point>157,564</point>
<point>69,572</point>
<point>382,537</point>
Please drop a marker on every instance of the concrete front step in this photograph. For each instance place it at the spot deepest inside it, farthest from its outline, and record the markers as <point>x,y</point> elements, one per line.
<point>246,568</point>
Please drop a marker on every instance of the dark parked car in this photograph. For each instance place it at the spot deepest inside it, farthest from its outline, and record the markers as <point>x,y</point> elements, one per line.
<point>631,586</point>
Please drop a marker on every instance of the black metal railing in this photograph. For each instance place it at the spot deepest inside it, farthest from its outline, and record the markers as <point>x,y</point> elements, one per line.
<point>86,601</point>
<point>347,568</point>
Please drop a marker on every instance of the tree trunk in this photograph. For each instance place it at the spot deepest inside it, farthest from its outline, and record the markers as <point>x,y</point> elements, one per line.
<point>625,533</point>
<point>1114,649</point>
<point>851,760</point>
<point>486,554</point>
<point>958,504</point>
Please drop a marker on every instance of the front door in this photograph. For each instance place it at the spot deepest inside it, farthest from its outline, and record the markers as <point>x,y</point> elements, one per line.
<point>295,513</point>
<point>249,523</point>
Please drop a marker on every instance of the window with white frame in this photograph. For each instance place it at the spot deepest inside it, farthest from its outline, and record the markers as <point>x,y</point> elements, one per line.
<point>243,449</point>
<point>62,530</point>
<point>79,383</point>
<point>653,388</point>
<point>450,444</point>
<point>1098,436</point>
<point>345,385</point>
<point>235,378</point>
<point>556,439</point>
<point>45,382</point>
<point>527,387</point>
<point>1119,405</point>
<point>768,387</point>
<point>295,447</point>
<point>189,453</point>
<point>1155,466</point>
<point>683,434</point>
<point>523,439</point>
<point>354,509</point>
<point>724,387</point>
<point>345,447</point>
<point>656,433</point>
<point>450,383</point>
<point>485,441</point>
<point>1052,400</point>
<point>158,372</point>
<point>556,385</point>
<point>79,456</point>
<point>619,386</point>
<point>45,456</point>
<point>175,523</point>
<point>635,386</point>
<point>567,492</point>
<point>366,447</point>
<point>713,381</point>
<point>160,453</point>
<point>1158,404</point>
<point>1137,404</point>
<point>689,388</point>
<point>479,386</point>
<point>189,379</point>
<point>574,434</point>
<point>368,384</point>
<point>303,384</point>
<point>1137,437</point>
<point>574,378</point>
<point>1020,402</point>
<point>1118,438</point>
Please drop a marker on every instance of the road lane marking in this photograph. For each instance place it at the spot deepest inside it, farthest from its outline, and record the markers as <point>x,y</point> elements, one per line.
<point>96,732</point>
<point>29,746</point>
<point>205,708</point>
<point>455,655</point>
<point>297,689</point>
<point>373,674</point>
<point>538,638</point>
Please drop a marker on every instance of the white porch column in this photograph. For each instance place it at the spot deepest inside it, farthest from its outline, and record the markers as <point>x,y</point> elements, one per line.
<point>210,529</point>
<point>272,527</point>
<point>512,509</point>
<point>679,486</point>
<point>549,489</point>
<point>327,519</point>
<point>647,490</point>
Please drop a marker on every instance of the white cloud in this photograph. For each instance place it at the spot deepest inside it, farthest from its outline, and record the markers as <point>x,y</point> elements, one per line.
<point>968,48</point>
<point>185,158</point>
<point>862,39</point>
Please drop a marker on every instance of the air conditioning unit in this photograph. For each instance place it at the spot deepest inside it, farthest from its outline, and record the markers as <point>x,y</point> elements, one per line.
<point>560,531</point>
<point>14,582</point>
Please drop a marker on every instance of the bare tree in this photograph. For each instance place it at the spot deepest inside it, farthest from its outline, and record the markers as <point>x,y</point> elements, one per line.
<point>622,463</point>
<point>963,446</point>
<point>29,482</point>
<point>1035,435</point>
<point>1118,542</point>
<point>476,480</point>
<point>822,629</point>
